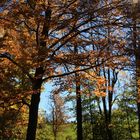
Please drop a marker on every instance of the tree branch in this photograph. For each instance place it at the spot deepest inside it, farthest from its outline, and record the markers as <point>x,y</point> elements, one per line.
<point>25,103</point>
<point>75,71</point>
<point>9,57</point>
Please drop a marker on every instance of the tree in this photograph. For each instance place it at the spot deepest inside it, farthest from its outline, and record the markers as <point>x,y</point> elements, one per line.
<point>133,47</point>
<point>38,41</point>
<point>58,114</point>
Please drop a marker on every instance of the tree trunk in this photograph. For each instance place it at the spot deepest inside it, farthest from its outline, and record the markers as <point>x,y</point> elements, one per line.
<point>33,116</point>
<point>33,109</point>
<point>35,99</point>
<point>110,95</point>
<point>78,103</point>
<point>105,116</point>
<point>79,112</point>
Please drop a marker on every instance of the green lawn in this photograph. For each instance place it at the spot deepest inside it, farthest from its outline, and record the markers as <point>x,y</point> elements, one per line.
<point>67,132</point>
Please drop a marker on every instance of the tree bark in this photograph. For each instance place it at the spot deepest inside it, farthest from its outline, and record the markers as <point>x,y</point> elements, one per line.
<point>33,116</point>
<point>78,103</point>
<point>110,96</point>
<point>105,117</point>
<point>79,112</point>
<point>33,109</point>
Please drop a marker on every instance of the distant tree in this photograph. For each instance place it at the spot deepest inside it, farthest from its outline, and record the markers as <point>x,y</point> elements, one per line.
<point>58,113</point>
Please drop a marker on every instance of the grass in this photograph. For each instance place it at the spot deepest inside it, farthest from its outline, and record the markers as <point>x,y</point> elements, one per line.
<point>67,132</point>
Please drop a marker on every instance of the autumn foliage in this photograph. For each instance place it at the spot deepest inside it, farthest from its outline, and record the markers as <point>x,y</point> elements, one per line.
<point>80,46</point>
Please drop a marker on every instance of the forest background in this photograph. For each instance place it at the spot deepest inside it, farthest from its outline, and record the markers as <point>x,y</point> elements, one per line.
<point>89,51</point>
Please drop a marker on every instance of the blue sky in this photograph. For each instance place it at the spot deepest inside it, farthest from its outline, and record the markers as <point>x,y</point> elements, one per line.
<point>45,98</point>
<point>45,102</point>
